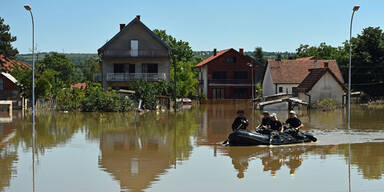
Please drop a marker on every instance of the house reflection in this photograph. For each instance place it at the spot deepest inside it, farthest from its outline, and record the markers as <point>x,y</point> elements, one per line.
<point>135,162</point>
<point>8,154</point>
<point>139,154</point>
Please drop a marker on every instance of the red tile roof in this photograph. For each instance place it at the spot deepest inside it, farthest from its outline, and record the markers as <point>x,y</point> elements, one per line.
<point>295,71</point>
<point>314,76</point>
<point>7,65</point>
<point>209,59</point>
<point>79,85</point>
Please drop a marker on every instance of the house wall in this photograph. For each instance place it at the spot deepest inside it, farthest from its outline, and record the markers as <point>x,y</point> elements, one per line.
<point>204,78</point>
<point>268,86</point>
<point>287,88</point>
<point>10,92</point>
<point>326,87</point>
<point>220,64</point>
<point>163,66</point>
<point>118,52</point>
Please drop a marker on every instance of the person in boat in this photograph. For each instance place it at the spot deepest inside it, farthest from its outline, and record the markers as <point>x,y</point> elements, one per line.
<point>265,121</point>
<point>293,123</point>
<point>241,122</point>
<point>275,124</point>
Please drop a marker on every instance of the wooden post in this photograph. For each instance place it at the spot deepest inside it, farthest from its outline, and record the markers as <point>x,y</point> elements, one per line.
<point>10,109</point>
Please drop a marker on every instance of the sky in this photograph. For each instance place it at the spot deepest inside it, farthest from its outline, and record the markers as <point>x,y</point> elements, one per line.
<point>83,26</point>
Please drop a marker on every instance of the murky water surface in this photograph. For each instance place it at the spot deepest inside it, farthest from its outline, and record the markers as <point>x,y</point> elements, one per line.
<point>182,152</point>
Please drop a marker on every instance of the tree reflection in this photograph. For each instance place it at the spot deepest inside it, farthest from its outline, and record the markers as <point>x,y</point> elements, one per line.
<point>368,157</point>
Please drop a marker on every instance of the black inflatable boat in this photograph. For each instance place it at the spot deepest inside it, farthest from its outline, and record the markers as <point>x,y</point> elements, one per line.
<point>246,138</point>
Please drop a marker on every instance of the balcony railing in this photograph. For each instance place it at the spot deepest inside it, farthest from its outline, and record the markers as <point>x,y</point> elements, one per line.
<point>229,81</point>
<point>136,76</point>
<point>146,53</point>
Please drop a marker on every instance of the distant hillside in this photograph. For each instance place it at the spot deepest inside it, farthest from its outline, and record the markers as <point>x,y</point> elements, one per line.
<point>79,57</point>
<point>74,57</point>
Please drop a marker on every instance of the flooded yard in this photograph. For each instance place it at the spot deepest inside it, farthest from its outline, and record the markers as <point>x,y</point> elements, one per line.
<point>182,152</point>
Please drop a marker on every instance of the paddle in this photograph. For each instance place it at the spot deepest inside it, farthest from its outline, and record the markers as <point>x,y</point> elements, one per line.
<point>233,130</point>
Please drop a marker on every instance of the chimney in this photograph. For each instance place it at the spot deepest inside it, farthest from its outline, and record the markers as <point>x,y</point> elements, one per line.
<point>241,50</point>
<point>325,64</point>
<point>122,26</point>
<point>138,17</point>
<point>214,52</point>
<point>315,63</point>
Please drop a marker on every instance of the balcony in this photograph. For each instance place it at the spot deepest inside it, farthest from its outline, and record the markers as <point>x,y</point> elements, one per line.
<point>123,77</point>
<point>141,53</point>
<point>229,81</point>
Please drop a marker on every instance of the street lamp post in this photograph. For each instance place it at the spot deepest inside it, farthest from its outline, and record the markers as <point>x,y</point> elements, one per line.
<point>355,8</point>
<point>253,90</point>
<point>28,8</point>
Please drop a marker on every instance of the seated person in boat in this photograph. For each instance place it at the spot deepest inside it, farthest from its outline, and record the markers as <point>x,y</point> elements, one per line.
<point>276,124</point>
<point>265,121</point>
<point>241,122</point>
<point>293,123</point>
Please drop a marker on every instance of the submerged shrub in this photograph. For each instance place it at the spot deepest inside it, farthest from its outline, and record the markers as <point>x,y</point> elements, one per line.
<point>93,98</point>
<point>326,104</point>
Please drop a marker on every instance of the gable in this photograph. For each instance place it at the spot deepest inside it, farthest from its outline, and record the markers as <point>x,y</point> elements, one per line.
<point>315,76</point>
<point>221,55</point>
<point>135,30</point>
<point>327,83</point>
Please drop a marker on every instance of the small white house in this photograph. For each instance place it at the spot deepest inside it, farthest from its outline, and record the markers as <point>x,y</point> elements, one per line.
<point>321,83</point>
<point>284,76</point>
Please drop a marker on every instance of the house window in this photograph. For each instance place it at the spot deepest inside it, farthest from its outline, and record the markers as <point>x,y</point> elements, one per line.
<point>240,75</point>
<point>1,84</point>
<point>219,75</point>
<point>131,68</point>
<point>240,93</point>
<point>230,59</point>
<point>134,48</point>
<point>280,89</point>
<point>150,68</point>
<point>295,91</point>
<point>218,93</point>
<point>118,68</point>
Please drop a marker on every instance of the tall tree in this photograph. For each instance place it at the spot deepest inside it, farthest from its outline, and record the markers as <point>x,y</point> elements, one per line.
<point>6,39</point>
<point>185,73</point>
<point>59,63</point>
<point>259,56</point>
<point>368,61</point>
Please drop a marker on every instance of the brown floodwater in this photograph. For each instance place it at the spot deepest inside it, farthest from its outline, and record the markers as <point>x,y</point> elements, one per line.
<point>183,152</point>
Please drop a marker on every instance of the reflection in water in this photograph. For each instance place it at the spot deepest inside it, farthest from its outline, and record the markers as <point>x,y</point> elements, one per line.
<point>367,157</point>
<point>137,154</point>
<point>136,151</point>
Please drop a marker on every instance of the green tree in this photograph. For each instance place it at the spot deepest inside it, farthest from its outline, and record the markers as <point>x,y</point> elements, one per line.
<point>84,70</point>
<point>59,63</point>
<point>259,56</point>
<point>180,49</point>
<point>6,39</point>
<point>368,61</point>
<point>186,74</point>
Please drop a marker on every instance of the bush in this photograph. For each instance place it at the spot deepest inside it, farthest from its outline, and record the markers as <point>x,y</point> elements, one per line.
<point>326,104</point>
<point>93,98</point>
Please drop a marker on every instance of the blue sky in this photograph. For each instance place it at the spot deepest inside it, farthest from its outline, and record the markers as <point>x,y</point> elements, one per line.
<point>83,26</point>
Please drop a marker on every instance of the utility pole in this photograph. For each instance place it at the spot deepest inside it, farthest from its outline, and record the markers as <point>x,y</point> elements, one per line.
<point>174,83</point>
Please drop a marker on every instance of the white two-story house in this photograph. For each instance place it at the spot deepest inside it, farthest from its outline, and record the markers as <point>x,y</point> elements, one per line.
<point>134,53</point>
